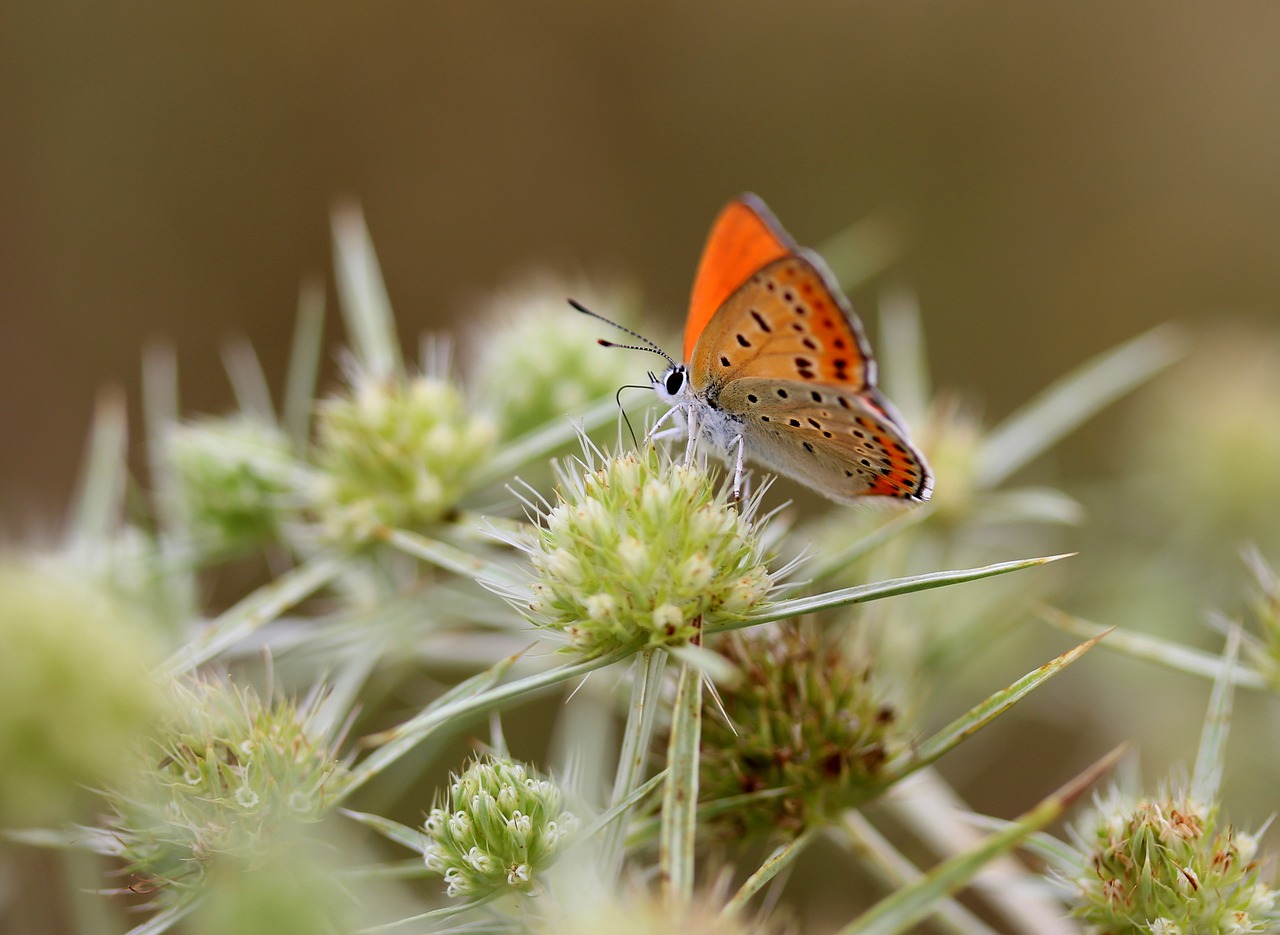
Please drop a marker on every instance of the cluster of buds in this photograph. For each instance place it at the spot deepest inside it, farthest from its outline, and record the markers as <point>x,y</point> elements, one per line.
<point>643,552</point>
<point>498,828</point>
<point>1164,865</point>
<point>803,722</point>
<point>395,453</point>
<point>223,778</point>
<point>535,334</point>
<point>235,476</point>
<point>74,691</point>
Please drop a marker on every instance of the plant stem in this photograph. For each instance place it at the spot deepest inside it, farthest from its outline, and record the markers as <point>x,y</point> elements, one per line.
<point>781,858</point>
<point>680,796</point>
<point>635,745</point>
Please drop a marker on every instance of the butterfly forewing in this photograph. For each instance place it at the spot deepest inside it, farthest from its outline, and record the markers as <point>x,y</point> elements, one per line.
<point>786,322</point>
<point>745,237</point>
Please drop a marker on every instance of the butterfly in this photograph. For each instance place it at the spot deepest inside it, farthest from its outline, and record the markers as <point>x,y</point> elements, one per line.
<point>779,370</point>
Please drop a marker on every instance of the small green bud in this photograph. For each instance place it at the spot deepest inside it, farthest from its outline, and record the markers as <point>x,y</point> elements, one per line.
<point>75,690</point>
<point>234,476</point>
<point>642,552</point>
<point>802,719</point>
<point>395,454</point>
<point>224,777</point>
<point>1165,865</point>
<point>498,828</point>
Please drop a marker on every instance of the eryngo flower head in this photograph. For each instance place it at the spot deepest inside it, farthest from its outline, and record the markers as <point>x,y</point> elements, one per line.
<point>803,720</point>
<point>533,333</point>
<point>224,776</point>
<point>395,453</point>
<point>496,829</point>
<point>1167,864</point>
<point>74,691</point>
<point>642,552</point>
<point>234,477</point>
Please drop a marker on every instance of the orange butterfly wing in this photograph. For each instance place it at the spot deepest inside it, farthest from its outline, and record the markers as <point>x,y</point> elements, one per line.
<point>772,340</point>
<point>745,237</point>
<point>786,356</point>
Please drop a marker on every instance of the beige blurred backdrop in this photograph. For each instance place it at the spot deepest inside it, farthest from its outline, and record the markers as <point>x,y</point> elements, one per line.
<point>1066,174</point>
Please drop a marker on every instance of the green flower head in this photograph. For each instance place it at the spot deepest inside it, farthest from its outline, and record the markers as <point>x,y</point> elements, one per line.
<point>234,477</point>
<point>642,552</point>
<point>534,335</point>
<point>498,828</point>
<point>804,721</point>
<point>225,777</point>
<point>1166,865</point>
<point>395,453</point>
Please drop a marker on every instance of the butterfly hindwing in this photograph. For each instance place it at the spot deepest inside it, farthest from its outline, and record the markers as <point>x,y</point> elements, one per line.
<point>844,444</point>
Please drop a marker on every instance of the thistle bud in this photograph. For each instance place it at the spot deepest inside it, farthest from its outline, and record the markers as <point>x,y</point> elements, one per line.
<point>1167,864</point>
<point>234,478</point>
<point>395,454</point>
<point>497,830</point>
<point>803,719</point>
<point>642,552</point>
<point>224,777</point>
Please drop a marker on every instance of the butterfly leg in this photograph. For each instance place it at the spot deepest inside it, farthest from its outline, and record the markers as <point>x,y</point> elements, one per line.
<point>692,420</point>
<point>653,432</point>
<point>738,468</point>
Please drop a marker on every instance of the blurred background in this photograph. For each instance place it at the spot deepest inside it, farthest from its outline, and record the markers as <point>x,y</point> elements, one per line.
<point>1064,175</point>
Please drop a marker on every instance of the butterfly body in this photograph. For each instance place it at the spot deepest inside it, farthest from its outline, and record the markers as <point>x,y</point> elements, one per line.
<point>778,369</point>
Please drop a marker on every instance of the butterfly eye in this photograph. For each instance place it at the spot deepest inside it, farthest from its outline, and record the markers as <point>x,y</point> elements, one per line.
<point>675,380</point>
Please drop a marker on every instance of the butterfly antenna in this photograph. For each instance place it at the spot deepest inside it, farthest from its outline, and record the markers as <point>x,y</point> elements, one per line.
<point>648,345</point>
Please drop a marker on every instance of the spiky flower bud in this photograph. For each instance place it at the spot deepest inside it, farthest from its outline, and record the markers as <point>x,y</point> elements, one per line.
<point>803,719</point>
<point>1166,865</point>
<point>395,454</point>
<point>497,829</point>
<point>74,691</point>
<point>234,478</point>
<point>223,778</point>
<point>641,552</point>
<point>535,334</point>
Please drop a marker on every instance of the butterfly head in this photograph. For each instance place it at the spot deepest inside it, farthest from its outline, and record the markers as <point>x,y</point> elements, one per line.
<point>672,385</point>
